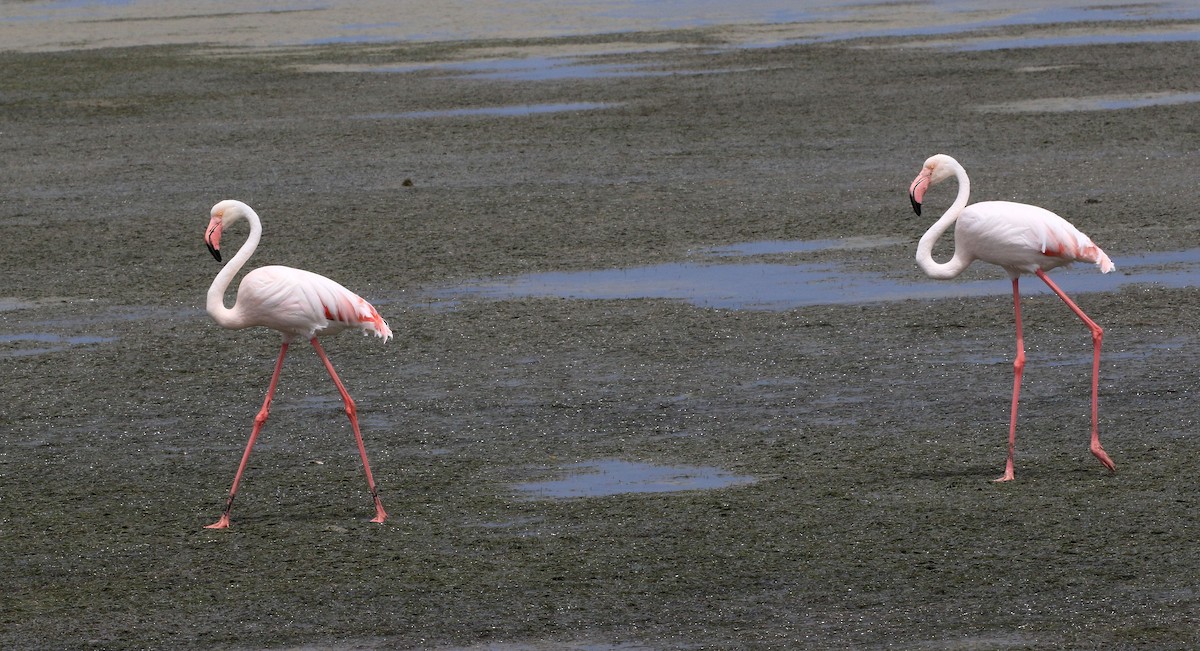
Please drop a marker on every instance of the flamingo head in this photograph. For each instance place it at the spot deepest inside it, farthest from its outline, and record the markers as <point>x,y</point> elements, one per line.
<point>937,168</point>
<point>223,213</point>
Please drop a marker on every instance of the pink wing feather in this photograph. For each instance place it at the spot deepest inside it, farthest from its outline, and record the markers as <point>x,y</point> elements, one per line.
<point>300,303</point>
<point>1023,238</point>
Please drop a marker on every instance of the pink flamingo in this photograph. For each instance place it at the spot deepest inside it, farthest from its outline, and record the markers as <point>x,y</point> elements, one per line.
<point>295,302</point>
<point>1021,239</point>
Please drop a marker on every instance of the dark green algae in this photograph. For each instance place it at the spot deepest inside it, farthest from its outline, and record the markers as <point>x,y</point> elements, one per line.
<point>872,430</point>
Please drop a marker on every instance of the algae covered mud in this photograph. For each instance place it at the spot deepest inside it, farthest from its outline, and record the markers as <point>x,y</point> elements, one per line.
<point>634,469</point>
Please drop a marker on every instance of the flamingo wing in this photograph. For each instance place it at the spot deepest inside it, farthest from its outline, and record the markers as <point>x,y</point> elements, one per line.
<point>1022,238</point>
<point>300,303</point>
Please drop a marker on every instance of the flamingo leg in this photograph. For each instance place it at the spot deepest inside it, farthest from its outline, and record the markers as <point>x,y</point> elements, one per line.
<point>1097,339</point>
<point>1018,371</point>
<point>352,412</point>
<point>259,421</point>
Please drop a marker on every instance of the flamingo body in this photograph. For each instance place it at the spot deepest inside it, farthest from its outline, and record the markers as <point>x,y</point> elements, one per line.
<point>302,304</point>
<point>295,302</point>
<point>1021,239</point>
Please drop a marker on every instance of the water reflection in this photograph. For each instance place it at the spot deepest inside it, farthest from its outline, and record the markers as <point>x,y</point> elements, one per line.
<point>531,68</point>
<point>490,111</point>
<point>38,343</point>
<point>541,69</point>
<point>614,477</point>
<point>1170,35</point>
<point>716,282</point>
<point>1094,103</point>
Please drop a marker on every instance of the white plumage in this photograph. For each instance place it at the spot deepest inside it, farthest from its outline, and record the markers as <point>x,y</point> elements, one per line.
<point>302,304</point>
<point>295,302</point>
<point>1020,239</point>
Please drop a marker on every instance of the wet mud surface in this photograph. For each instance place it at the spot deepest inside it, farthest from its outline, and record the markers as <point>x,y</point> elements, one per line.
<point>870,431</point>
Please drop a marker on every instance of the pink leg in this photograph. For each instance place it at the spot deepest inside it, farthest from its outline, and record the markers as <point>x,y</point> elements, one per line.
<point>1018,371</point>
<point>1097,339</point>
<point>352,412</point>
<point>259,421</point>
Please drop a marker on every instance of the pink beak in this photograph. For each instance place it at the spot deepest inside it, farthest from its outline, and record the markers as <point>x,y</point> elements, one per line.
<point>916,191</point>
<point>212,237</point>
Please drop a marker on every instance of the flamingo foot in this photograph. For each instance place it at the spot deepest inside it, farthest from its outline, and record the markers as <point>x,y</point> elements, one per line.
<point>1009,473</point>
<point>1103,457</point>
<point>380,515</point>
<point>223,523</point>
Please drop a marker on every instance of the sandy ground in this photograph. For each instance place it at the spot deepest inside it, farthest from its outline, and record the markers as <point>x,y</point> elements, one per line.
<point>872,430</point>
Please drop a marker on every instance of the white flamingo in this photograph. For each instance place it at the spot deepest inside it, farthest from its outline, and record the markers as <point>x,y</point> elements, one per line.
<point>295,302</point>
<point>1021,239</point>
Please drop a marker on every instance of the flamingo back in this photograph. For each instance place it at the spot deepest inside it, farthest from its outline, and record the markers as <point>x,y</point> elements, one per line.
<point>300,303</point>
<point>1022,238</point>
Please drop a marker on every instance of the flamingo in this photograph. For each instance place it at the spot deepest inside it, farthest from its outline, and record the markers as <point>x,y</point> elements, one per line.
<point>295,302</point>
<point>1021,239</point>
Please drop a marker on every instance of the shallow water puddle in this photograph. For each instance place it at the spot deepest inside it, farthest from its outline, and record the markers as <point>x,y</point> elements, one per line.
<point>772,247</point>
<point>491,111</point>
<point>551,645</point>
<point>781,286</point>
<point>534,68</point>
<point>1094,103</point>
<point>8,303</point>
<point>614,477</point>
<point>531,68</point>
<point>1171,34</point>
<point>45,343</point>
<point>1076,25</point>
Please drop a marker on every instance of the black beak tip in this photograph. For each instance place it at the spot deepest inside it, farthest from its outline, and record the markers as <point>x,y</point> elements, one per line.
<point>915,205</point>
<point>216,253</point>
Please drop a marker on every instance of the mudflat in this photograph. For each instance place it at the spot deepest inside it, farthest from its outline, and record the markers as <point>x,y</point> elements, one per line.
<point>870,431</point>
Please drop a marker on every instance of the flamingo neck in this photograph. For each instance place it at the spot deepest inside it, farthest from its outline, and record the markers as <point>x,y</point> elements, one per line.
<point>961,259</point>
<point>231,317</point>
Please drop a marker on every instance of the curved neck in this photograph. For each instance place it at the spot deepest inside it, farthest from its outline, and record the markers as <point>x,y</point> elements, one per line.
<point>960,260</point>
<point>224,316</point>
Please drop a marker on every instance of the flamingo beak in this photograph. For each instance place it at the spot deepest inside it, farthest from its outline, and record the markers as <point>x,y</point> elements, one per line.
<point>212,237</point>
<point>916,191</point>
